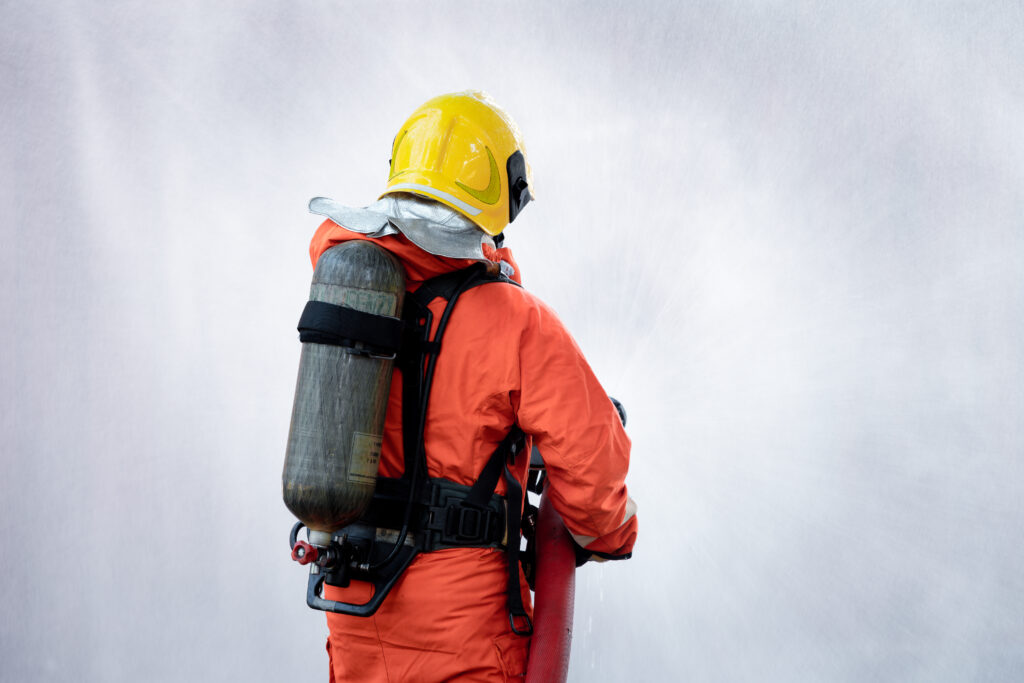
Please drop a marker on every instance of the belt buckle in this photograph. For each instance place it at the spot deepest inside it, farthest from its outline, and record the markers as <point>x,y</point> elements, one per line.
<point>464,524</point>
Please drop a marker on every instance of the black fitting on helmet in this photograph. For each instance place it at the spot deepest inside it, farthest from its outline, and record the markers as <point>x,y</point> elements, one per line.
<point>518,187</point>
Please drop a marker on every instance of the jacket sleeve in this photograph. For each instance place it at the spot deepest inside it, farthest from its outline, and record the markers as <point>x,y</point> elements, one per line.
<point>577,430</point>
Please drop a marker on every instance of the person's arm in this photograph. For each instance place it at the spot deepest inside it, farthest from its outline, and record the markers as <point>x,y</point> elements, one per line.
<point>580,436</point>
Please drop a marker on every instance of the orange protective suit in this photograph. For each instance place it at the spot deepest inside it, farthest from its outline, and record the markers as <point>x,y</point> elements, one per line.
<point>506,358</point>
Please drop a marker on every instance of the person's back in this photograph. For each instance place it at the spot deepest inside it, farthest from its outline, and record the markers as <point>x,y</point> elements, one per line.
<point>505,361</point>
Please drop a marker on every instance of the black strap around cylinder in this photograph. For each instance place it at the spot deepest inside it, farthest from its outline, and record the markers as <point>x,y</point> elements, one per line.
<point>324,323</point>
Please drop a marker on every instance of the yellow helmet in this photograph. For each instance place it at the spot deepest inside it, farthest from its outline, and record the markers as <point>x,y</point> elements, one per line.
<point>464,151</point>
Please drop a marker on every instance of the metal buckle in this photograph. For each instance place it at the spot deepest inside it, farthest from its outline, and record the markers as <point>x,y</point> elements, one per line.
<point>525,631</point>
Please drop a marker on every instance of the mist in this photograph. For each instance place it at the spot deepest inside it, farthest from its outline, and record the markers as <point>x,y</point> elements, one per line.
<point>788,237</point>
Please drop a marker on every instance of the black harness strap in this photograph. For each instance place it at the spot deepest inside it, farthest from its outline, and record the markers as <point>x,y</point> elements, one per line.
<point>489,475</point>
<point>444,514</point>
<point>450,285</point>
<point>419,355</point>
<point>417,374</point>
<point>513,522</point>
<point>417,360</point>
<point>418,320</point>
<point>501,462</point>
<point>440,519</point>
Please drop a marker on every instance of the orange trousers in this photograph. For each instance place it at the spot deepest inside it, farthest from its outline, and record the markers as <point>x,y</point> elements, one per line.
<point>446,619</point>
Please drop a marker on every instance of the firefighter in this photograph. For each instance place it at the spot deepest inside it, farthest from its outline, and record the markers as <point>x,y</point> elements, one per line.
<point>458,176</point>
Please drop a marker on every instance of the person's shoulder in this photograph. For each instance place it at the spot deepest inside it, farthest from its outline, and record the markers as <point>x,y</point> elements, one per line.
<point>510,292</point>
<point>511,301</point>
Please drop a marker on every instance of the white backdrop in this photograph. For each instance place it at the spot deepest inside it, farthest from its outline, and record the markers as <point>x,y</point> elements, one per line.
<point>788,236</point>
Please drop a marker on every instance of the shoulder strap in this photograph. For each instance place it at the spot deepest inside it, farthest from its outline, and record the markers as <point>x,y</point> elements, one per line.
<point>501,462</point>
<point>420,352</point>
<point>449,285</point>
<point>418,359</point>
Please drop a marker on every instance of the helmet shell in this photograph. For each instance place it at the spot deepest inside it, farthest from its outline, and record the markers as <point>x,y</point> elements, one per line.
<point>460,149</point>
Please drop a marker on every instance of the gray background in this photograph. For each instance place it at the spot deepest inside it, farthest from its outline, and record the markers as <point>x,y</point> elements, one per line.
<point>788,236</point>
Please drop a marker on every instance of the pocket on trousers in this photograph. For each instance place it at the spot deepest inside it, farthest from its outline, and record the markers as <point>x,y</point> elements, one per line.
<point>513,653</point>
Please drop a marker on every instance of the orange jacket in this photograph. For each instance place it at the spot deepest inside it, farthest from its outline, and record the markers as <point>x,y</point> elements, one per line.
<point>506,358</point>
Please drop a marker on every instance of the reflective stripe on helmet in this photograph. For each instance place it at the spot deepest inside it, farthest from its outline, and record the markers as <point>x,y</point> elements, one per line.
<point>434,192</point>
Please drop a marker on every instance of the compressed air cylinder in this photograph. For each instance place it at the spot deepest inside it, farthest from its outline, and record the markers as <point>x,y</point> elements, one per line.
<point>341,396</point>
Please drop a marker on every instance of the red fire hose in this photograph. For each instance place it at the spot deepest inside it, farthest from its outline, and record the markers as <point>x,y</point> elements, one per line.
<point>553,599</point>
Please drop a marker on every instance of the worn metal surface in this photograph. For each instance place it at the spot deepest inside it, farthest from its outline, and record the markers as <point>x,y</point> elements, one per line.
<point>341,397</point>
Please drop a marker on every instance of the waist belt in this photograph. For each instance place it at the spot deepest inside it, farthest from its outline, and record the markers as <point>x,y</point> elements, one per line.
<point>442,518</point>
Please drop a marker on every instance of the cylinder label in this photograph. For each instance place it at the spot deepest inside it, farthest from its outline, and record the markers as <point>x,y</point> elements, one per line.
<point>365,457</point>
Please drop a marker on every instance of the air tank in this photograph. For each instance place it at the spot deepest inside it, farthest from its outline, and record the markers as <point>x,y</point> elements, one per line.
<point>341,396</point>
